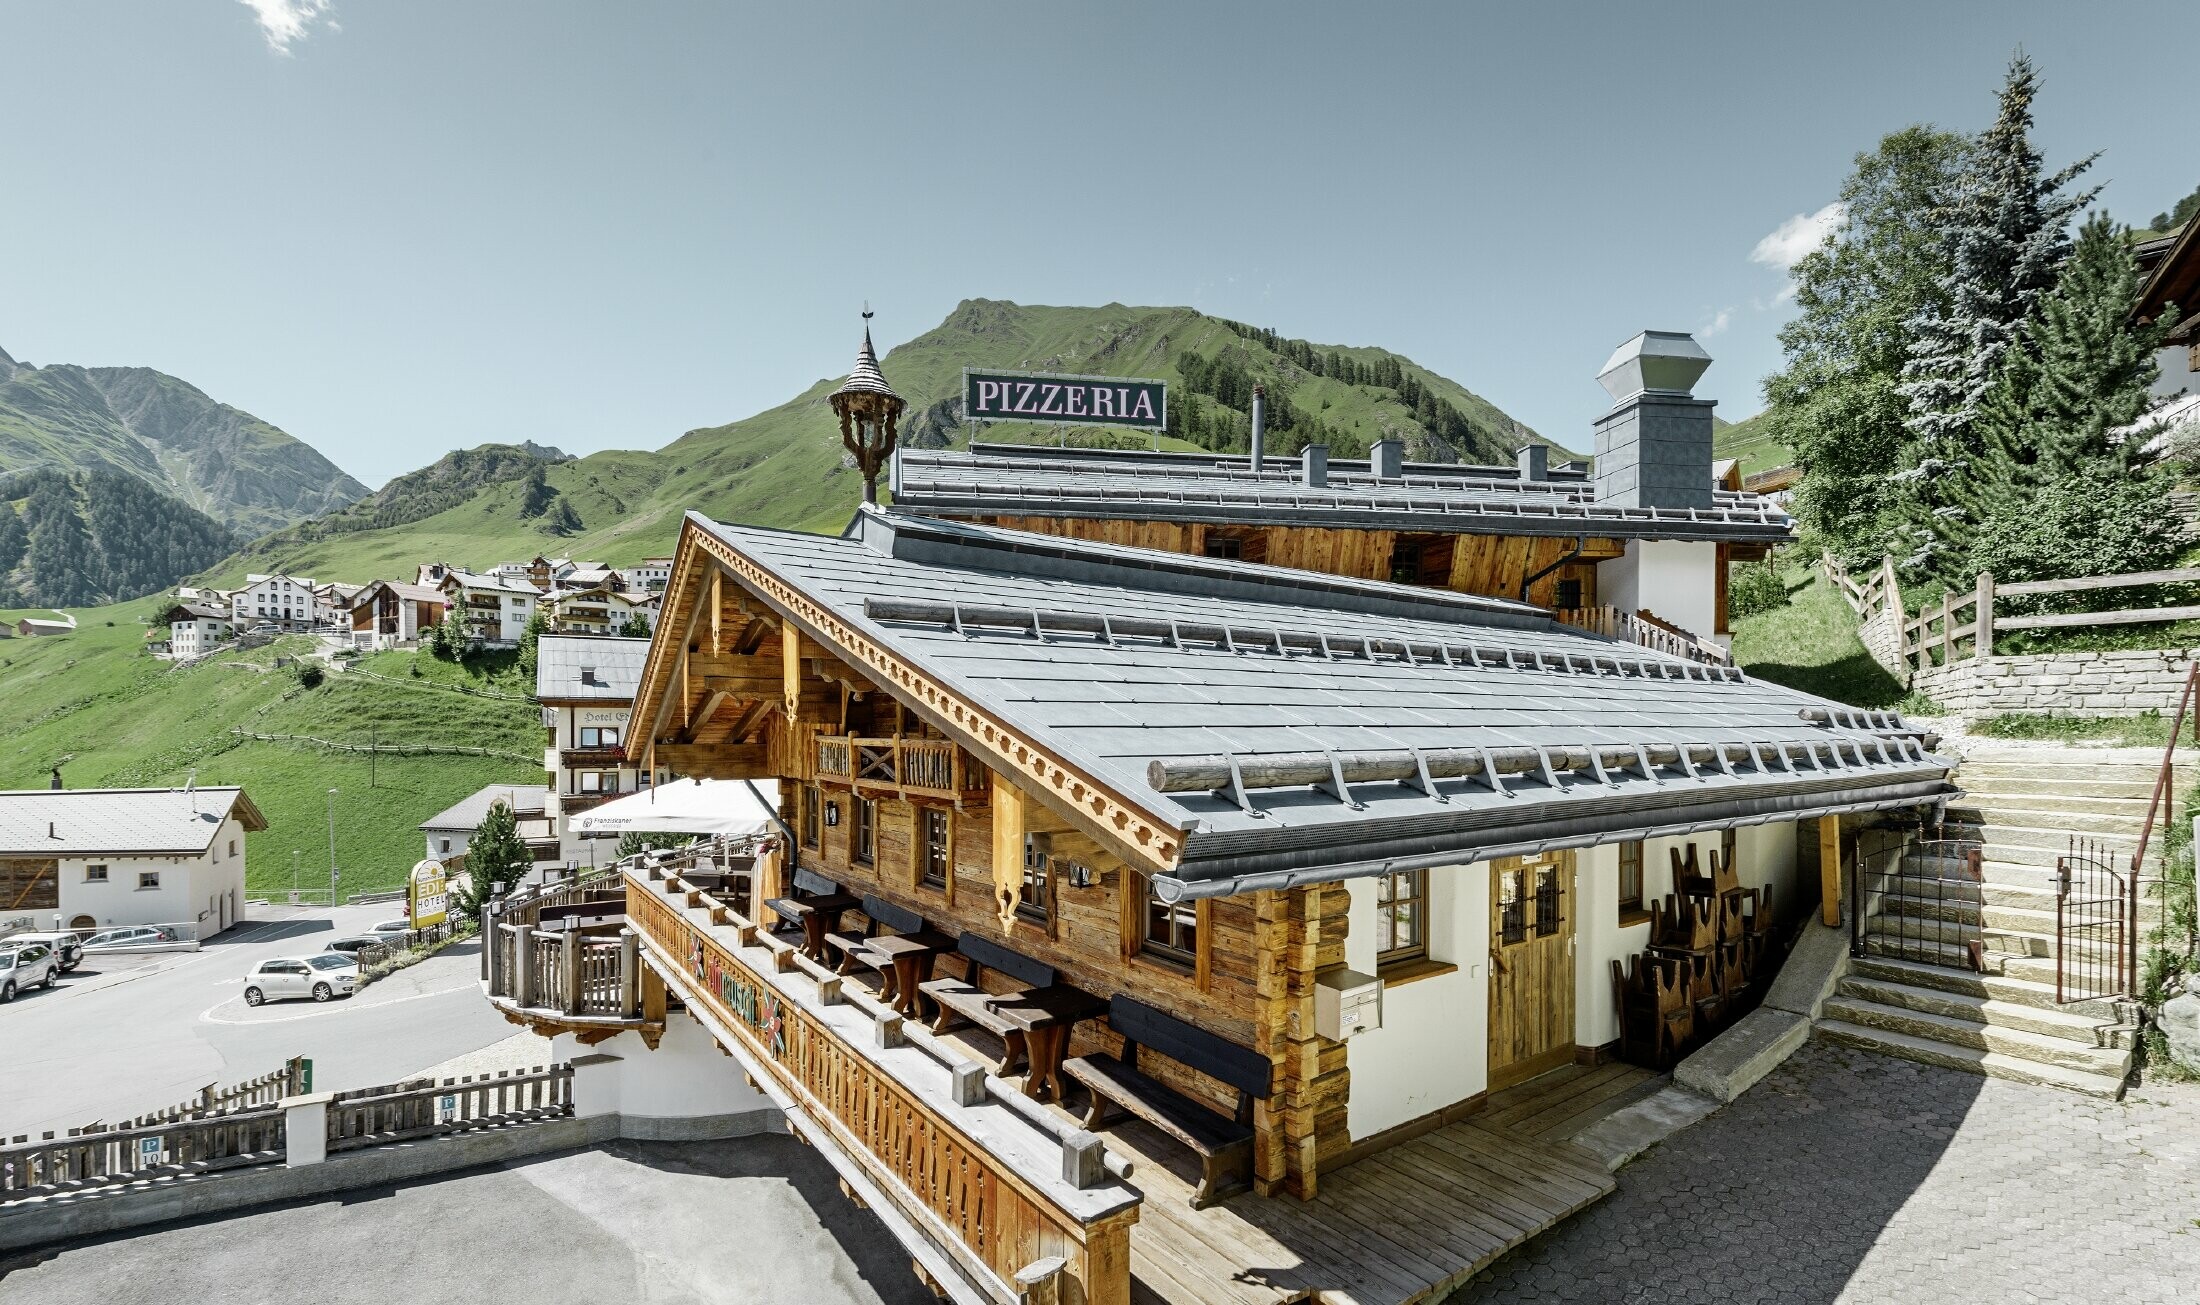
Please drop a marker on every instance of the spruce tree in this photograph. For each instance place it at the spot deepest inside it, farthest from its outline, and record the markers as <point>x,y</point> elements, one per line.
<point>2007,229</point>
<point>13,538</point>
<point>495,859</point>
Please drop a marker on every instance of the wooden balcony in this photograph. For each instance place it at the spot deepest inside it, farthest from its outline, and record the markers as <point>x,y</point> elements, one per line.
<point>987,1191</point>
<point>901,765</point>
<point>560,960</point>
<point>1647,630</point>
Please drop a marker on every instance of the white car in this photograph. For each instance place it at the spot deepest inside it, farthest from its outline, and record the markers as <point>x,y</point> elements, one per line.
<point>329,974</point>
<point>27,965</point>
<point>392,932</point>
<point>128,937</point>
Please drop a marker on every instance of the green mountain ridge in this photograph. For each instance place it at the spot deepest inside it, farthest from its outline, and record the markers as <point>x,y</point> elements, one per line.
<point>222,461</point>
<point>97,534</point>
<point>784,467</point>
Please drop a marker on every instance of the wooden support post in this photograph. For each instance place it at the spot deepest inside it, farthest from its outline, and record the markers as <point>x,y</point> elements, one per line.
<point>523,965</point>
<point>1008,849</point>
<point>571,956</point>
<point>630,974</point>
<point>1947,628</point>
<point>1983,642</point>
<point>1829,869</point>
<point>653,996</point>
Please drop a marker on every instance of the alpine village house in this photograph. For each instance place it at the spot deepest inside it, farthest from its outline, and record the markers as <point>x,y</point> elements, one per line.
<point>1154,916</point>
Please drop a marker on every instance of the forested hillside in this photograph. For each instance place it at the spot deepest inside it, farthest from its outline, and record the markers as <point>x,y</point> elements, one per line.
<point>95,536</point>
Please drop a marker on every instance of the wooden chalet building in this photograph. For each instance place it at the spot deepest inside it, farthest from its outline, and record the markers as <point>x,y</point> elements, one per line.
<point>1647,535</point>
<point>1346,858</point>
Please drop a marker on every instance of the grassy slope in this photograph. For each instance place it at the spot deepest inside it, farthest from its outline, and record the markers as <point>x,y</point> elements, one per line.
<point>1811,644</point>
<point>114,717</point>
<point>783,467</point>
<point>1753,444</point>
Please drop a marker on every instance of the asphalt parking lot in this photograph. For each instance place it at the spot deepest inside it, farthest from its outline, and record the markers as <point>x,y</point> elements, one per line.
<point>125,1034</point>
<point>743,1222</point>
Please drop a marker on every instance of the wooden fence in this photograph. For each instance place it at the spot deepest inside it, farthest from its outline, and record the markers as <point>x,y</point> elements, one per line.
<point>425,1107</point>
<point>396,749</point>
<point>1961,627</point>
<point>266,1090</point>
<point>104,1157</point>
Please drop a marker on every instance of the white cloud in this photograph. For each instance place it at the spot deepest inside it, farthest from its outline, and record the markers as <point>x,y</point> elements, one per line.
<point>1719,322</point>
<point>285,22</point>
<point>1797,236</point>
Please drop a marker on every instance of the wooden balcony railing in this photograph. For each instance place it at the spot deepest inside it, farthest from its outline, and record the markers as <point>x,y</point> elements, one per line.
<point>1011,1201</point>
<point>1647,630</point>
<point>900,764</point>
<point>539,959</point>
<point>403,1112</point>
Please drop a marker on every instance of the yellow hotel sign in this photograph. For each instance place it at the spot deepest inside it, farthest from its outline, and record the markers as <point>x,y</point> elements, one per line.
<point>427,900</point>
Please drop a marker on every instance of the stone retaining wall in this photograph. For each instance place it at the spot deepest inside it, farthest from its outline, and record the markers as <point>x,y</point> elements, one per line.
<point>2072,684</point>
<point>1882,636</point>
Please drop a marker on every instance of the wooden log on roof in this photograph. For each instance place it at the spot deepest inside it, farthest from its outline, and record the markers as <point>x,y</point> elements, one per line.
<point>1289,769</point>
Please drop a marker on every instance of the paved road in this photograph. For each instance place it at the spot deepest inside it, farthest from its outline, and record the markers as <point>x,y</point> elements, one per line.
<point>1847,1176</point>
<point>124,1035</point>
<point>748,1222</point>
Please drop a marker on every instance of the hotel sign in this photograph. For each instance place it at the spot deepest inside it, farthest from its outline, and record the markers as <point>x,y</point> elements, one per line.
<point>1052,399</point>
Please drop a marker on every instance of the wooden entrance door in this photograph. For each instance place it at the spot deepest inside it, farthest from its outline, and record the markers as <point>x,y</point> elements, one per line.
<point>1531,966</point>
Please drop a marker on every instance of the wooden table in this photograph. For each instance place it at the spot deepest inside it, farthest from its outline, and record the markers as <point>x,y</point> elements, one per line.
<point>911,955</point>
<point>1045,1016</point>
<point>819,916</point>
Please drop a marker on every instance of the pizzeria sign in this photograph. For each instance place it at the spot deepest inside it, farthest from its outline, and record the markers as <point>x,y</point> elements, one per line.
<point>1054,399</point>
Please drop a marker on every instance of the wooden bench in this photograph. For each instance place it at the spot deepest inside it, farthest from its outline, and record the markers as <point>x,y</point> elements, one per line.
<point>878,914</point>
<point>813,911</point>
<point>966,998</point>
<point>1223,1143</point>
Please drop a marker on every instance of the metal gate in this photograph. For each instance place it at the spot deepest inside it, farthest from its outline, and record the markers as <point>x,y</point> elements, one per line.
<point>1919,900</point>
<point>2096,923</point>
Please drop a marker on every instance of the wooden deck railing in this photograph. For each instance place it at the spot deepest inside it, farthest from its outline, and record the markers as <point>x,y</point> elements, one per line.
<point>900,764</point>
<point>1016,1201</point>
<point>426,1107</point>
<point>105,1157</point>
<point>1646,630</point>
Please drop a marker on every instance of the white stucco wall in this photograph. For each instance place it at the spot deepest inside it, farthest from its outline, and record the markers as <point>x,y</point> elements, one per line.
<point>1676,580</point>
<point>1433,1048</point>
<point>686,1077</point>
<point>200,890</point>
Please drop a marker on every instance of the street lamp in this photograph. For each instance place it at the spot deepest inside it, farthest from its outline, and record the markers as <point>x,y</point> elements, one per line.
<point>332,849</point>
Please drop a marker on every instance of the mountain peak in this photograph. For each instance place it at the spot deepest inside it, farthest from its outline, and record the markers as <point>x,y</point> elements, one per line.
<point>7,365</point>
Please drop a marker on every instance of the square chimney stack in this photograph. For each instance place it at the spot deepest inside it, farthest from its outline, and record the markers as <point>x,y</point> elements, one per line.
<point>1387,459</point>
<point>1653,448</point>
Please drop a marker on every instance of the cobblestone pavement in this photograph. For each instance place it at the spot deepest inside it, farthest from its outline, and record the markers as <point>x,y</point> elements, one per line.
<point>1849,1176</point>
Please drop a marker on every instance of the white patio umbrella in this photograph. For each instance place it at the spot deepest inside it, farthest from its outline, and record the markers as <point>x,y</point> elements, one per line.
<point>702,807</point>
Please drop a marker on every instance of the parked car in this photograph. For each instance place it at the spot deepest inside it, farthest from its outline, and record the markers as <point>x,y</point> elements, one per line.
<point>360,947</point>
<point>320,977</point>
<point>393,932</point>
<point>131,937</point>
<point>68,951</point>
<point>26,965</point>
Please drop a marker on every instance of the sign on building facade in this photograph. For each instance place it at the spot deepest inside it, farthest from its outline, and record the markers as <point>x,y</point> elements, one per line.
<point>1053,399</point>
<point>426,895</point>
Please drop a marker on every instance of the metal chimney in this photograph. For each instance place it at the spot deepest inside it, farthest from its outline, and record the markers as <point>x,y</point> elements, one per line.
<point>1314,465</point>
<point>1653,449</point>
<point>56,786</point>
<point>1388,459</point>
<point>1260,427</point>
<point>1535,461</point>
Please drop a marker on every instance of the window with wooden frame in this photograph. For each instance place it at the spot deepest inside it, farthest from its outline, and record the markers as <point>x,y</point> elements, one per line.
<point>1421,560</point>
<point>1631,909</point>
<point>863,839</point>
<point>95,874</point>
<point>1235,545</point>
<point>1227,547</point>
<point>1512,906</point>
<point>813,816</point>
<point>1401,918</point>
<point>935,847</point>
<point>1036,903</point>
<point>148,878</point>
<point>1171,931</point>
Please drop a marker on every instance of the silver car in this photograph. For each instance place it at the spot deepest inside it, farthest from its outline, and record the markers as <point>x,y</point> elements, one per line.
<point>26,966</point>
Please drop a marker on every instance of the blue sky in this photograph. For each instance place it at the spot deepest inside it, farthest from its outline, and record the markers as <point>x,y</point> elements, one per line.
<point>394,227</point>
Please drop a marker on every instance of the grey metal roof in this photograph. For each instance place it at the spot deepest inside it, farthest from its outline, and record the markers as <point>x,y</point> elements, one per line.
<point>44,822</point>
<point>1073,642</point>
<point>466,815</point>
<point>614,667</point>
<point>1223,489</point>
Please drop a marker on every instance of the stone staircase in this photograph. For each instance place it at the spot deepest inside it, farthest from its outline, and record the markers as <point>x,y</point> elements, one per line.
<point>1913,994</point>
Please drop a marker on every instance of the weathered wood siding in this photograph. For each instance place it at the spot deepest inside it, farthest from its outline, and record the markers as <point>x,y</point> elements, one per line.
<point>30,884</point>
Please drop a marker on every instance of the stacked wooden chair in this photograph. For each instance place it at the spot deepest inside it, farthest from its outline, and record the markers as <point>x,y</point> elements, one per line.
<point>1713,950</point>
<point>1657,1022</point>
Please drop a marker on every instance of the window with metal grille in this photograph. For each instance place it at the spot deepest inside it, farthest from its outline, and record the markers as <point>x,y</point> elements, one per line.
<point>1401,917</point>
<point>1569,595</point>
<point>933,822</point>
<point>863,843</point>
<point>1224,546</point>
<point>1547,916</point>
<point>1172,929</point>
<point>1512,905</point>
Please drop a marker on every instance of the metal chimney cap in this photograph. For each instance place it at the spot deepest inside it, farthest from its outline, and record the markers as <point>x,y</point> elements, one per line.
<point>1666,361</point>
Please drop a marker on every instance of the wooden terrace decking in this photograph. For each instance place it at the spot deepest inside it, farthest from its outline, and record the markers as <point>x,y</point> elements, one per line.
<point>1407,1224</point>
